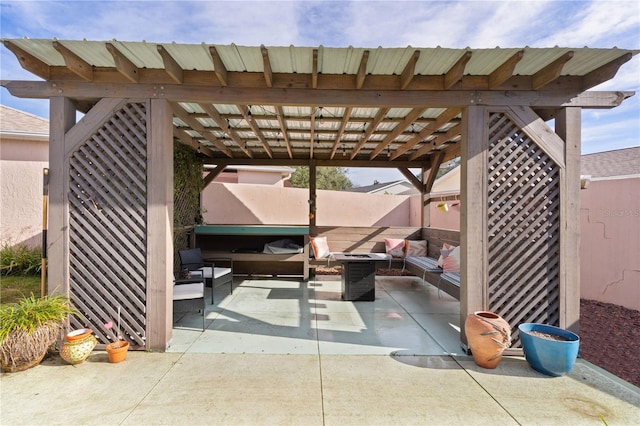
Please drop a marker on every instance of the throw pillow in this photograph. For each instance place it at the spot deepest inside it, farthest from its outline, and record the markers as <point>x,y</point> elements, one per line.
<point>444,251</point>
<point>394,247</point>
<point>320,247</point>
<point>451,262</point>
<point>416,248</point>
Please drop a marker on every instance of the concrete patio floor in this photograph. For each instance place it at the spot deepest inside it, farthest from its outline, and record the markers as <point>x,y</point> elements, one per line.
<point>289,352</point>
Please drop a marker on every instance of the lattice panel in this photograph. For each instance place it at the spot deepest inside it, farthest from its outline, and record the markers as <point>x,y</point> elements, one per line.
<point>108,225</point>
<point>523,228</point>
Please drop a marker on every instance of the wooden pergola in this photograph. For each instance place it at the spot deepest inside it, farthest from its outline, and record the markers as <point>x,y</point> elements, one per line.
<point>111,178</point>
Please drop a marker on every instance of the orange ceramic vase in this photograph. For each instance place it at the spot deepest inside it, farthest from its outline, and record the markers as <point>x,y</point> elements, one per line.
<point>117,351</point>
<point>488,335</point>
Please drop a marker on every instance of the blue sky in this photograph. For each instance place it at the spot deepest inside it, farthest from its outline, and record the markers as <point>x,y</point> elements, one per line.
<point>455,24</point>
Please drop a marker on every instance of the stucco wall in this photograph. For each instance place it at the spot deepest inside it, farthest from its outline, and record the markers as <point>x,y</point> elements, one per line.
<point>21,190</point>
<point>252,204</point>
<point>610,242</point>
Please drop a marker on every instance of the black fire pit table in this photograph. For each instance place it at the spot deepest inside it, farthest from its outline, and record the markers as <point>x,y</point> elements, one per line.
<point>359,275</point>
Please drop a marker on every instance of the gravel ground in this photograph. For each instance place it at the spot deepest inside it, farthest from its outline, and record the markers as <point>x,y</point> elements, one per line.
<point>609,338</point>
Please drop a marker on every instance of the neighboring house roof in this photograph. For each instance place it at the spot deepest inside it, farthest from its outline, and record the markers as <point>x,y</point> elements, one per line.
<point>395,187</point>
<point>20,124</point>
<point>619,162</point>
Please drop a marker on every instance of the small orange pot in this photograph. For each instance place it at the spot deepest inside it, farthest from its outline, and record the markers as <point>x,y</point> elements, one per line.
<point>117,351</point>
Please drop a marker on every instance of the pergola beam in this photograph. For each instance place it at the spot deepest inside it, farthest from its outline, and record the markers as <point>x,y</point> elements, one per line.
<point>309,97</point>
<point>268,74</point>
<point>256,129</point>
<point>409,70</point>
<point>439,140</point>
<point>345,119</point>
<point>370,129</point>
<point>226,128</point>
<point>417,183</point>
<point>314,69</point>
<point>362,70</point>
<point>189,140</point>
<point>442,119</point>
<point>300,162</point>
<point>179,112</point>
<point>213,173</point>
<point>76,64</point>
<point>123,64</point>
<point>29,62</point>
<point>174,70</point>
<point>283,128</point>
<point>456,72</point>
<point>505,70</point>
<point>605,72</point>
<point>218,66</point>
<point>399,129</point>
<point>550,72</point>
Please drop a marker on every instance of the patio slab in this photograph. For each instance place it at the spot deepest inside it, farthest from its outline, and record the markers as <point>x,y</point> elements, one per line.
<point>305,363</point>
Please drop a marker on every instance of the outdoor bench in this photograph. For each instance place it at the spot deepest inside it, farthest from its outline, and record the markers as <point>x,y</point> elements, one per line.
<point>343,239</point>
<point>426,267</point>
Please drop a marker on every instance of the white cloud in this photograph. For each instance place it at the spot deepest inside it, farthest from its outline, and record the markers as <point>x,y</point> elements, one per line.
<point>599,24</point>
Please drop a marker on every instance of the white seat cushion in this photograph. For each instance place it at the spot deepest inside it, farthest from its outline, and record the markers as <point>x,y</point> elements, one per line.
<point>205,270</point>
<point>188,291</point>
<point>220,272</point>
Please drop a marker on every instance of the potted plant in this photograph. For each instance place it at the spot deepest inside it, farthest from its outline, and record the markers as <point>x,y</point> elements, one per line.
<point>29,327</point>
<point>77,345</point>
<point>117,349</point>
<point>548,349</point>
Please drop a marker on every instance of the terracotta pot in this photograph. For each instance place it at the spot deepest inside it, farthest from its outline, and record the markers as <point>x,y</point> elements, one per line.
<point>81,333</point>
<point>77,349</point>
<point>488,336</point>
<point>117,351</point>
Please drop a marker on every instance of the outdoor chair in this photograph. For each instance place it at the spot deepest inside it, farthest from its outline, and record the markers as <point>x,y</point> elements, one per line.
<point>214,276</point>
<point>190,289</point>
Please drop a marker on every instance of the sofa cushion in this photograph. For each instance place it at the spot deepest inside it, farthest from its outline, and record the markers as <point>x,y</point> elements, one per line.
<point>415,248</point>
<point>449,259</point>
<point>320,247</point>
<point>394,246</point>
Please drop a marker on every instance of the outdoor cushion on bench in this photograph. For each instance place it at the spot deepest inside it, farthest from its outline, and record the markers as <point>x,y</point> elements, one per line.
<point>452,281</point>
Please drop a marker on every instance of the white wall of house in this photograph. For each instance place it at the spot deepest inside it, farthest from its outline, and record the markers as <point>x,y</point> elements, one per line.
<point>21,163</point>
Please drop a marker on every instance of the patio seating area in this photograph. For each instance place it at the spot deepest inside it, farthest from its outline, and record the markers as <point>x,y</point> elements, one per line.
<point>280,351</point>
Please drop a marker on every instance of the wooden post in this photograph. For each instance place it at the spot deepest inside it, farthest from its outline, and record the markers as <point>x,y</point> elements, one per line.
<point>45,206</point>
<point>160,224</point>
<point>312,194</point>
<point>62,118</point>
<point>473,213</point>
<point>568,126</point>
<point>425,210</point>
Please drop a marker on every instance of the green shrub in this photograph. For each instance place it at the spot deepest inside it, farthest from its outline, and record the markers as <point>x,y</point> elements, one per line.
<point>20,260</point>
<point>31,312</point>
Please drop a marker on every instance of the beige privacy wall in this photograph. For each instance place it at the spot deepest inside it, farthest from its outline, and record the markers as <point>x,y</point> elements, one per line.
<point>21,164</point>
<point>262,204</point>
<point>610,242</point>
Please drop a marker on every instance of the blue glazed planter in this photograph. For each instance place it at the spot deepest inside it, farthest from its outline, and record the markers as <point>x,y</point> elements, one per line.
<point>548,356</point>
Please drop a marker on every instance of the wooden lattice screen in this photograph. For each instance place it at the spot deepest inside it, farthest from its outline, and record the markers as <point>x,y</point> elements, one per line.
<point>108,225</point>
<point>523,227</point>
